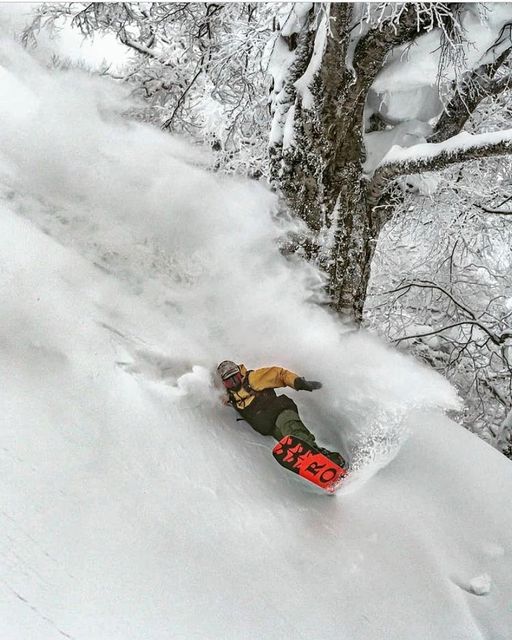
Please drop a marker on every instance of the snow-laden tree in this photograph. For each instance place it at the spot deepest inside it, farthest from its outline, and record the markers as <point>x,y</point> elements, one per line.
<point>197,67</point>
<point>441,286</point>
<point>442,277</point>
<point>366,94</point>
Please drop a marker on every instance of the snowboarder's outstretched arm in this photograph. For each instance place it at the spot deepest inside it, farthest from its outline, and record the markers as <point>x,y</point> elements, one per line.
<point>307,385</point>
<point>275,377</point>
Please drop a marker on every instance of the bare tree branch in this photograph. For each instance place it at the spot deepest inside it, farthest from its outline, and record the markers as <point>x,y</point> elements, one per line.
<point>496,338</point>
<point>487,210</point>
<point>431,285</point>
<point>169,120</point>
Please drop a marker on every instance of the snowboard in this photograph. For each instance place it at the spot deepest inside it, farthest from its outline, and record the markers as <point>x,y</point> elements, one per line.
<point>308,462</point>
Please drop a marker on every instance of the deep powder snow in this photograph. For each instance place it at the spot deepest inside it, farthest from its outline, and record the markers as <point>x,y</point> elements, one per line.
<point>133,505</point>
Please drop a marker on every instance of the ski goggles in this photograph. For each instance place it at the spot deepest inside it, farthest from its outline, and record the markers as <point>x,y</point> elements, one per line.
<point>233,381</point>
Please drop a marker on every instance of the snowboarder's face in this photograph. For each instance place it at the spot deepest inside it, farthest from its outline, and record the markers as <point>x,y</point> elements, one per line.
<point>234,382</point>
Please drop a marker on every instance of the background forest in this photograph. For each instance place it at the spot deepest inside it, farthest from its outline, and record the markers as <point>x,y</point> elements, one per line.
<point>385,129</point>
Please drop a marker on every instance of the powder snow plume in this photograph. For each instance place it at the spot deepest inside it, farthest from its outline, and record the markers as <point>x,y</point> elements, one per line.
<point>204,248</point>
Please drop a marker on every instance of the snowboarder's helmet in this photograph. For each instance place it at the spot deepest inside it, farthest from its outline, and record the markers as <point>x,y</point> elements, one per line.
<point>226,369</point>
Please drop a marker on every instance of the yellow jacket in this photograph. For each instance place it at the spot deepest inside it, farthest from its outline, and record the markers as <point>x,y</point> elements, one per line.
<point>259,379</point>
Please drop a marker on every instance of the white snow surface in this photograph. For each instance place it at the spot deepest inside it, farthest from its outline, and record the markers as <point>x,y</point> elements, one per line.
<point>133,505</point>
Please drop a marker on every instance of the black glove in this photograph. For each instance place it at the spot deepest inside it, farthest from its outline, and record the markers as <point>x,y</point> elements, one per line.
<point>307,385</point>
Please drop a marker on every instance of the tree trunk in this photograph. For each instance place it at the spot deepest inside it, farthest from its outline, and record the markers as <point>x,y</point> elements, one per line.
<point>320,171</point>
<point>354,243</point>
<point>320,175</point>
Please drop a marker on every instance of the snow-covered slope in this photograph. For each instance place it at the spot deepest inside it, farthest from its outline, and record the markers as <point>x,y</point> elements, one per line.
<point>133,505</point>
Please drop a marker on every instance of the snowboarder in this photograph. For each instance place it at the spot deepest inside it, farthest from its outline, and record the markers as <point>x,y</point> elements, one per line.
<point>252,394</point>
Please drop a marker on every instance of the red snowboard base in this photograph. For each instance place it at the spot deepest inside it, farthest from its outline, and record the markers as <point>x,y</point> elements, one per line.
<point>309,463</point>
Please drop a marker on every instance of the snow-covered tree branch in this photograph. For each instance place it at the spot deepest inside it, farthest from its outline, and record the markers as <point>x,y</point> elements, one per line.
<point>468,93</point>
<point>464,147</point>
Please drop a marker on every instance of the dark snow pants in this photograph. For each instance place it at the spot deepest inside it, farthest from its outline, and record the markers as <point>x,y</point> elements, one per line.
<point>288,423</point>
